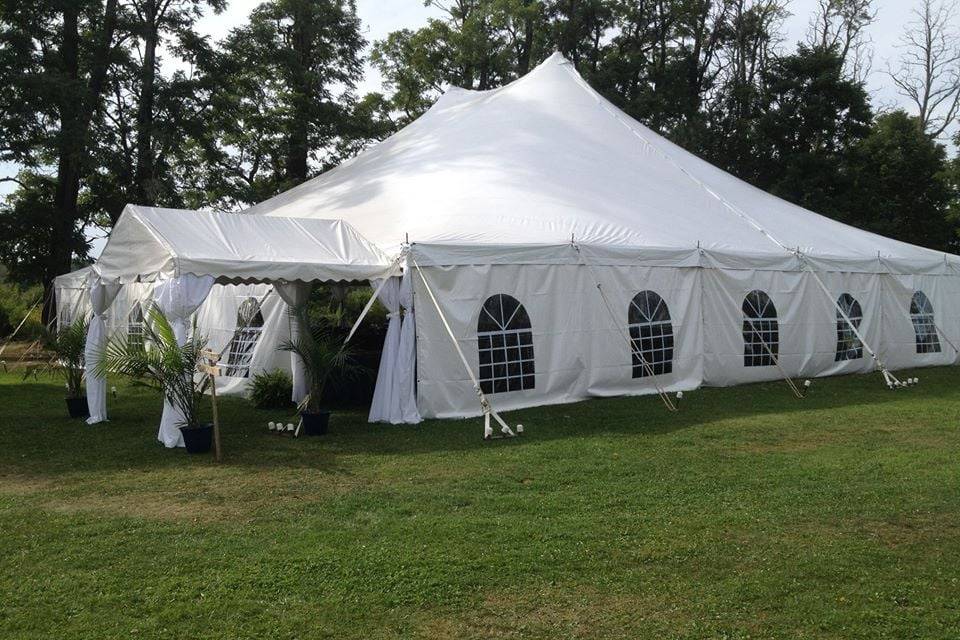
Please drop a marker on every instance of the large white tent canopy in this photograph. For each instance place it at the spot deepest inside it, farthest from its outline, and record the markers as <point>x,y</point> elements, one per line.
<point>547,158</point>
<point>554,249</point>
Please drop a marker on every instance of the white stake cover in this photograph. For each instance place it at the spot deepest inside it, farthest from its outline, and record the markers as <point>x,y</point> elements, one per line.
<point>148,243</point>
<point>546,158</point>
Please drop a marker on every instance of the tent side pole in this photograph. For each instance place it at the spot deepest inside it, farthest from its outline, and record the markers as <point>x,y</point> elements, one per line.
<point>488,410</point>
<point>889,377</point>
<point>630,341</point>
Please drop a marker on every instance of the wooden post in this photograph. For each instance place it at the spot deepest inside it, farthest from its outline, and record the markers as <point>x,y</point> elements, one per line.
<point>211,369</point>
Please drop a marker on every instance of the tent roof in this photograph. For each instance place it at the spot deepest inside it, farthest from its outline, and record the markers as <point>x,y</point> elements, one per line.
<point>148,243</point>
<point>546,158</point>
<point>75,279</point>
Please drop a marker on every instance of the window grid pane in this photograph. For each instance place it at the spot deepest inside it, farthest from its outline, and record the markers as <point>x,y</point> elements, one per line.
<point>244,341</point>
<point>651,335</point>
<point>761,331</point>
<point>849,346</point>
<point>240,355</point>
<point>924,325</point>
<point>505,346</point>
<point>135,328</point>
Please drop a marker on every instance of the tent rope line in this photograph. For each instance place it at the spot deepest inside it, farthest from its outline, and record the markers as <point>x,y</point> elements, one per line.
<point>376,294</point>
<point>664,396</point>
<point>776,361</point>
<point>486,407</point>
<point>944,335</point>
<point>10,338</point>
<point>734,209</point>
<point>887,375</point>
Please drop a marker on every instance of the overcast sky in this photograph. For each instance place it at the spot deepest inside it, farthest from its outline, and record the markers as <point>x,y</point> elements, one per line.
<point>380,17</point>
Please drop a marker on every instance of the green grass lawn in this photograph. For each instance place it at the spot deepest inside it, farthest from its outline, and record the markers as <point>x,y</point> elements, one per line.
<point>748,514</point>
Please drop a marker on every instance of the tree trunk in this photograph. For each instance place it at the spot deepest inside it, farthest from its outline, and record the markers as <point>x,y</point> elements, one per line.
<point>76,111</point>
<point>143,174</point>
<point>68,170</point>
<point>298,136</point>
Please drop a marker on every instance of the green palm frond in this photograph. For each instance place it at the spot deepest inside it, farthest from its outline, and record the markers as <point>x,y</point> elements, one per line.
<point>323,354</point>
<point>165,362</point>
<point>69,356</point>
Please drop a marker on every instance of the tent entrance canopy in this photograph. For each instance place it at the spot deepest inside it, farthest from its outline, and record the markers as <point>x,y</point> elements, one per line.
<point>150,244</point>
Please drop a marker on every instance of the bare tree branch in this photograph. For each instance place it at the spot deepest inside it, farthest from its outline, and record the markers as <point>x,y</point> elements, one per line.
<point>841,25</point>
<point>929,71</point>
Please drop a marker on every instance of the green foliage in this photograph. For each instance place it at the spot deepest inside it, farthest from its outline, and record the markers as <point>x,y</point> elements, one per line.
<point>324,356</point>
<point>271,390</point>
<point>165,363</point>
<point>903,185</point>
<point>811,118</point>
<point>15,303</point>
<point>284,102</point>
<point>68,346</point>
<point>27,218</point>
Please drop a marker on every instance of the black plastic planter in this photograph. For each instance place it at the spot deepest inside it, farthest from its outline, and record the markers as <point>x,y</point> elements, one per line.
<point>315,424</point>
<point>78,408</point>
<point>197,439</point>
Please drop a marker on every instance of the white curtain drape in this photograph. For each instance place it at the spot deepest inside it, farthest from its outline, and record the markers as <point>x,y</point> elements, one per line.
<point>295,295</point>
<point>404,397</point>
<point>178,299</point>
<point>101,297</point>
<point>381,407</point>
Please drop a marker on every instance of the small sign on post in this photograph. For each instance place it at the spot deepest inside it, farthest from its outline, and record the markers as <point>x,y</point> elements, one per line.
<point>211,368</point>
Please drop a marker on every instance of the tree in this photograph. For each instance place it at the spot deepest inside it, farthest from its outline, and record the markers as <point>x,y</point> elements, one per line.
<point>151,118</point>
<point>840,25</point>
<point>150,21</point>
<point>54,79</point>
<point>26,219</point>
<point>902,188</point>
<point>478,44</point>
<point>283,107</point>
<point>810,115</point>
<point>929,72</point>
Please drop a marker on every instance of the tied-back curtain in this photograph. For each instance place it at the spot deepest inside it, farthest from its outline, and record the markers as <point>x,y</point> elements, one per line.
<point>178,299</point>
<point>296,295</point>
<point>404,398</point>
<point>382,404</point>
<point>101,297</point>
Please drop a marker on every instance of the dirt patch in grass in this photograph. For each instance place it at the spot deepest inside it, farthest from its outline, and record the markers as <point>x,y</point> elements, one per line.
<point>925,529</point>
<point>202,495</point>
<point>18,484</point>
<point>559,612</point>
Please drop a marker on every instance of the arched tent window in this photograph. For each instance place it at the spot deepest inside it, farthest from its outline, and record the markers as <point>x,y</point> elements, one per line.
<point>924,327</point>
<point>135,332</point>
<point>761,331</point>
<point>505,345</point>
<point>651,333</point>
<point>849,346</point>
<point>244,341</point>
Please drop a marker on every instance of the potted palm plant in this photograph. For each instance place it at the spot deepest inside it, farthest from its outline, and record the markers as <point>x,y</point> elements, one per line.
<point>68,346</point>
<point>168,366</point>
<point>323,354</point>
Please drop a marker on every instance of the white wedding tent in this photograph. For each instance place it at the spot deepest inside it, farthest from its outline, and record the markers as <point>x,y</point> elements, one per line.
<point>185,253</point>
<point>555,249</point>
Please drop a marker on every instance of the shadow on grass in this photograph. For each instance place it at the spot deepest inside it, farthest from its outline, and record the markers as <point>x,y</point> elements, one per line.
<point>37,439</point>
